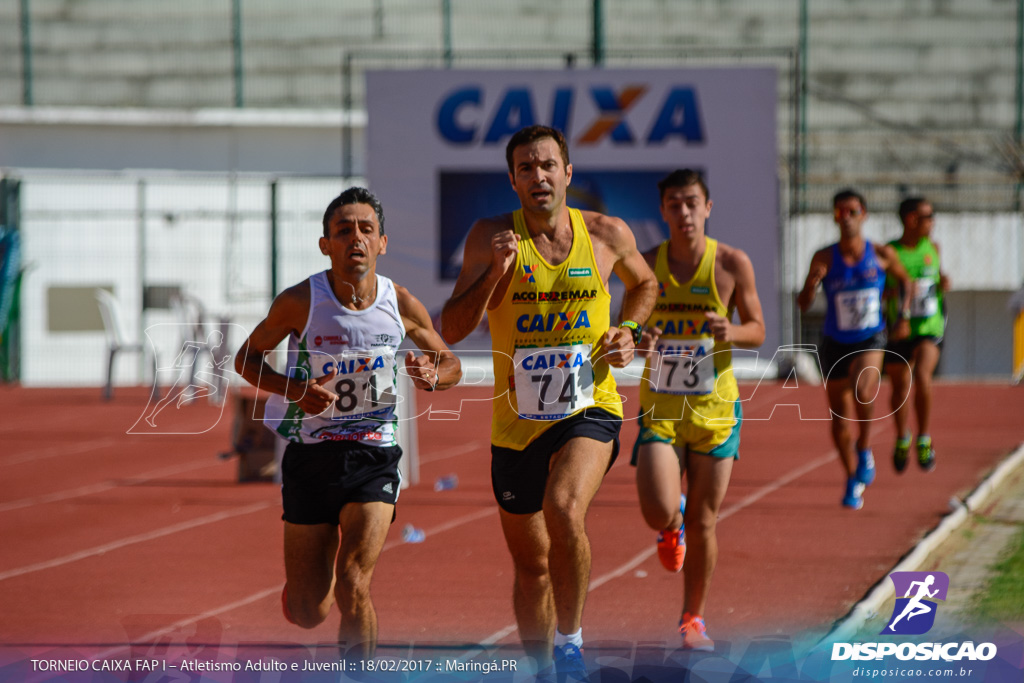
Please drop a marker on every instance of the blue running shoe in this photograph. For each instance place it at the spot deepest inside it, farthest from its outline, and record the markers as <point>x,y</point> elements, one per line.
<point>569,663</point>
<point>854,498</point>
<point>865,467</point>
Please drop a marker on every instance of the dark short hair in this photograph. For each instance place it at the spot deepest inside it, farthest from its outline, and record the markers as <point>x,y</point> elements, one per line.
<point>849,193</point>
<point>354,195</point>
<point>909,206</point>
<point>682,177</point>
<point>525,136</point>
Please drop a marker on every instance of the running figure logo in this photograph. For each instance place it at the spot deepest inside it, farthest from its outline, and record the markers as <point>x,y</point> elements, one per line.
<point>914,613</point>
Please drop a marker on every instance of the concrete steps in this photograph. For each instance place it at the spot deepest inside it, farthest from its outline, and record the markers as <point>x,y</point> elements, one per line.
<point>888,81</point>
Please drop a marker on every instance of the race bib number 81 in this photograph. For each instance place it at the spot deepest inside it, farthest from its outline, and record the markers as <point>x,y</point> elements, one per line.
<point>365,384</point>
<point>553,382</point>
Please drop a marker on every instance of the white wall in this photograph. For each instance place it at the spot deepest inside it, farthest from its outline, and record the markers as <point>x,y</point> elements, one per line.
<point>241,140</point>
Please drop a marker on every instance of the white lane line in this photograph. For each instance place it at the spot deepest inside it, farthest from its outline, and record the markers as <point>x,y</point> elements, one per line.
<point>449,525</point>
<point>130,540</point>
<point>725,514</point>
<point>459,521</point>
<point>106,485</point>
<point>255,597</point>
<point>870,604</point>
<point>182,623</point>
<point>53,451</point>
<point>462,450</point>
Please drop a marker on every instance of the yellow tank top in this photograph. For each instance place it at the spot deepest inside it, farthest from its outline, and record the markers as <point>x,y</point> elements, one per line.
<point>545,334</point>
<point>689,361</point>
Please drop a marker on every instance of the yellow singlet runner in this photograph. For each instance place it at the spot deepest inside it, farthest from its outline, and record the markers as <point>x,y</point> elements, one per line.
<point>545,335</point>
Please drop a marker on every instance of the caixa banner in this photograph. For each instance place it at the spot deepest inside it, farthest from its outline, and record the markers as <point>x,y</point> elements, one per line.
<point>436,157</point>
<point>679,115</point>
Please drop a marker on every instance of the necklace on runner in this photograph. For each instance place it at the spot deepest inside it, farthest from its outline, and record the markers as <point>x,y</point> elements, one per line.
<point>358,299</point>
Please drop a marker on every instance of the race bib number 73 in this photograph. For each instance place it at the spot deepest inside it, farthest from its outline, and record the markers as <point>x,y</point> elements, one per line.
<point>553,382</point>
<point>684,367</point>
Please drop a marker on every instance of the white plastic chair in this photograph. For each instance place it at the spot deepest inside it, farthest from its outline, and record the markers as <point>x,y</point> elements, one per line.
<point>117,340</point>
<point>196,327</point>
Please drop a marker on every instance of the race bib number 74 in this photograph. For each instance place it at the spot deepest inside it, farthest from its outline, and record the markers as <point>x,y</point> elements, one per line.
<point>553,382</point>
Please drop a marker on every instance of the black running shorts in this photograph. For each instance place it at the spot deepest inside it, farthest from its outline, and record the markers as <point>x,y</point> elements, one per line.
<point>321,478</point>
<point>836,357</point>
<point>903,350</point>
<point>519,477</point>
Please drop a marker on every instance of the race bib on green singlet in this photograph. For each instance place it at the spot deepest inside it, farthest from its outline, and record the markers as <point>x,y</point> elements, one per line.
<point>684,367</point>
<point>925,302</point>
<point>859,309</point>
<point>553,382</point>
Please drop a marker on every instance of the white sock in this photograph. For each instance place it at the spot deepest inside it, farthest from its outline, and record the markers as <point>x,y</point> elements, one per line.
<point>574,638</point>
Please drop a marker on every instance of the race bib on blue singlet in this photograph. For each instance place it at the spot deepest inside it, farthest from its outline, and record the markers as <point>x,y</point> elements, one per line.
<point>859,309</point>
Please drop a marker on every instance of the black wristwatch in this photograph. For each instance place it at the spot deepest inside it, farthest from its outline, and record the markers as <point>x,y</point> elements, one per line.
<point>635,329</point>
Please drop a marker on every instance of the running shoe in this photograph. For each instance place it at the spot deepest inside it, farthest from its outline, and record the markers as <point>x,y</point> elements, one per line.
<point>925,453</point>
<point>901,453</point>
<point>695,633</point>
<point>854,498</point>
<point>569,663</point>
<point>865,467</point>
<point>672,544</point>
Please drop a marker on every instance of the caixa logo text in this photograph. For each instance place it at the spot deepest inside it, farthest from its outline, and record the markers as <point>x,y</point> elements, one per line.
<point>463,118</point>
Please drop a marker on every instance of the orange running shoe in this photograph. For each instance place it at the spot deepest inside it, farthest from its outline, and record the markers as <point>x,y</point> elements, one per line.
<point>695,634</point>
<point>671,550</point>
<point>672,544</point>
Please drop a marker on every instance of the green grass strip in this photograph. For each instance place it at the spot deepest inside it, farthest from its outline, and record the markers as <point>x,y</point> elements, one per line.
<point>1003,600</point>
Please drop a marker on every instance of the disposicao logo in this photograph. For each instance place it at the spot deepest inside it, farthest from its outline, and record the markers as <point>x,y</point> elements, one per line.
<point>914,613</point>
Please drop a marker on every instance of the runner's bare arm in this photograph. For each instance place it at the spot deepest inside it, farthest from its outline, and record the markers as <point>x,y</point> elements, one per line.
<point>437,367</point>
<point>820,263</point>
<point>629,265</point>
<point>944,282</point>
<point>490,254</point>
<point>750,332</point>
<point>651,334</point>
<point>890,260</point>
<point>287,315</point>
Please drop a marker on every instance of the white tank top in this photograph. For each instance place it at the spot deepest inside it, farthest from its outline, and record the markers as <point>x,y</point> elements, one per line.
<point>361,346</point>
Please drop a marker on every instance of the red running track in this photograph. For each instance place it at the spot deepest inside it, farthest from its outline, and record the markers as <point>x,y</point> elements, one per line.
<point>112,538</point>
